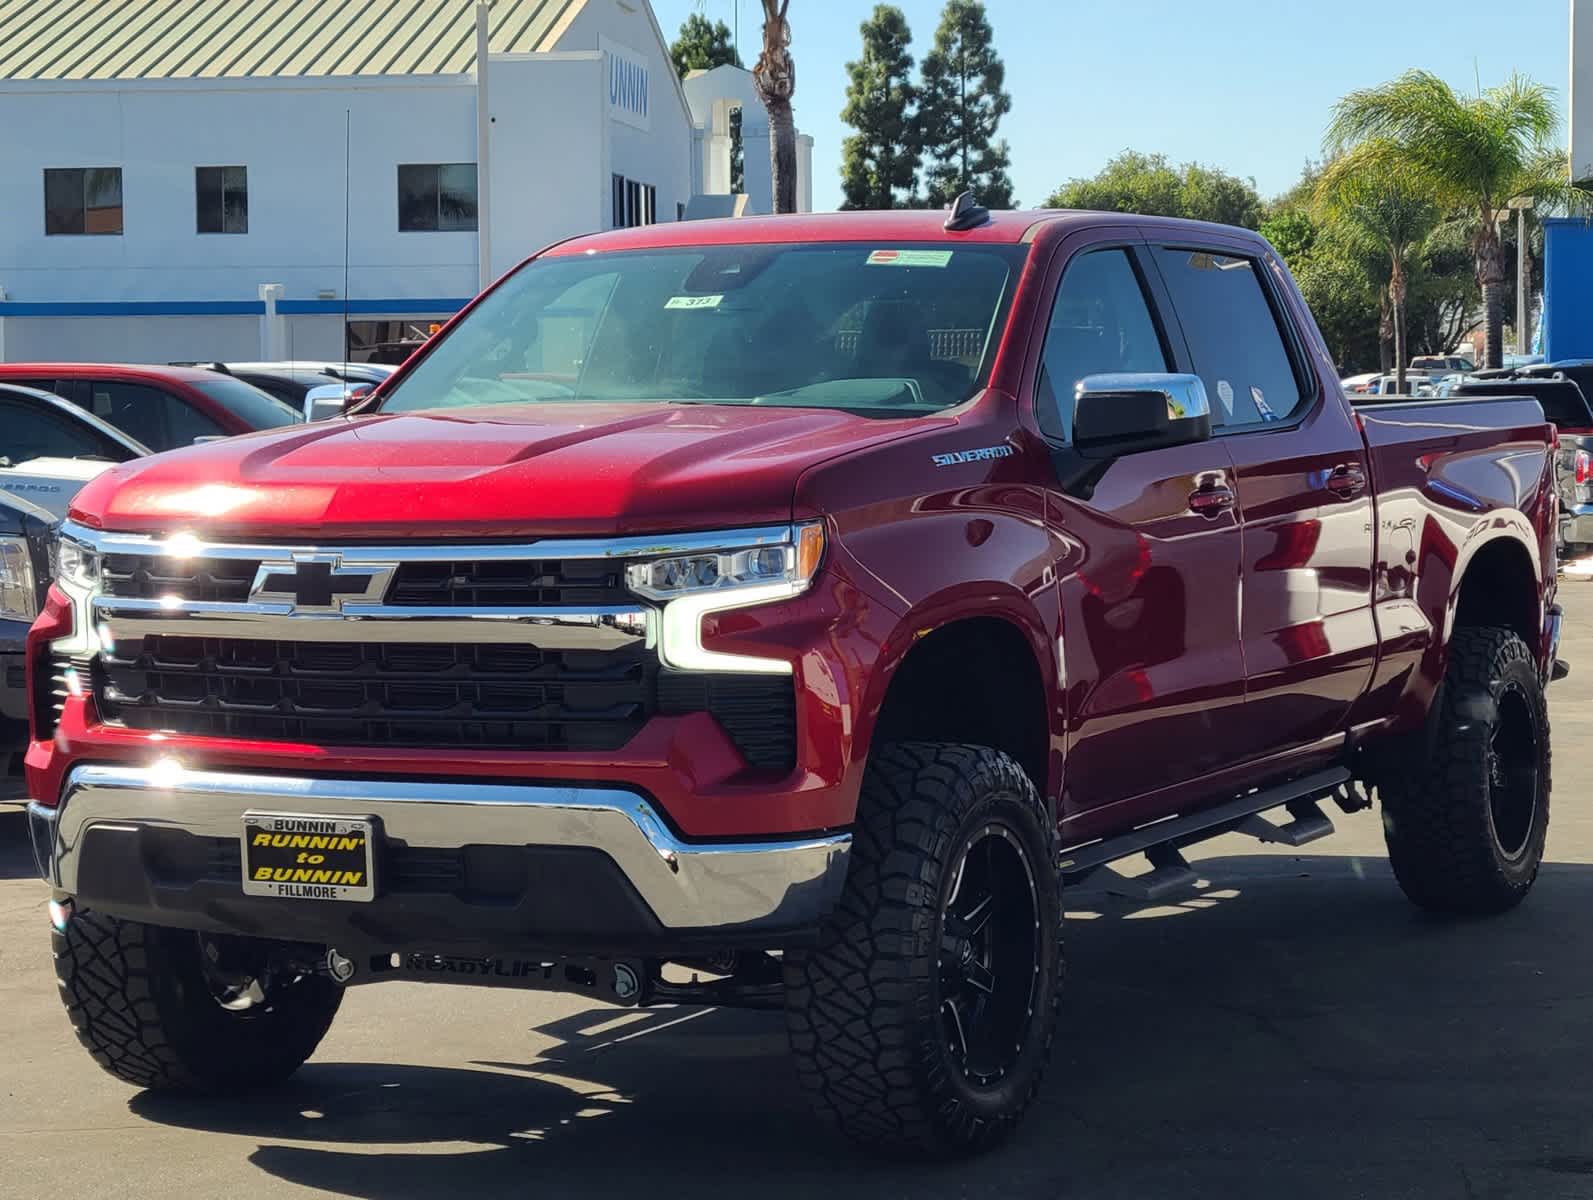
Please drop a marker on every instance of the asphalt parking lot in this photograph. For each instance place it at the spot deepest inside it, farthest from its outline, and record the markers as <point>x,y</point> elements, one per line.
<point>1291,1029</point>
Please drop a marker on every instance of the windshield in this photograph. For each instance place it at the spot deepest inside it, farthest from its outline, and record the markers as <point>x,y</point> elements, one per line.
<point>887,330</point>
<point>250,404</point>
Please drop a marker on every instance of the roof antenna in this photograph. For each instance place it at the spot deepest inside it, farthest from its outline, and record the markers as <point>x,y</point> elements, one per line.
<point>966,213</point>
<point>348,141</point>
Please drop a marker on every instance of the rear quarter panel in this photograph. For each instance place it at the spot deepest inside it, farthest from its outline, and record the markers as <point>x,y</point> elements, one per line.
<point>1451,478</point>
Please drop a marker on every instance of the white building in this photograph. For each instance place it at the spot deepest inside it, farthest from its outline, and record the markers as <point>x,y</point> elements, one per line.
<point>175,174</point>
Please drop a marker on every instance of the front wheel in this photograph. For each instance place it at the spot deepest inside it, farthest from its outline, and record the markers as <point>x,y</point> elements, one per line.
<point>924,1020</point>
<point>1466,824</point>
<point>169,1009</point>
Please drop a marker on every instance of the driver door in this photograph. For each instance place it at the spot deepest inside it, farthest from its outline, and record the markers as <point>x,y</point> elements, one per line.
<point>1147,560</point>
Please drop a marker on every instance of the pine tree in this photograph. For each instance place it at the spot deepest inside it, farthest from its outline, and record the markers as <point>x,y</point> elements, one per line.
<point>961,103</point>
<point>703,45</point>
<point>879,165</point>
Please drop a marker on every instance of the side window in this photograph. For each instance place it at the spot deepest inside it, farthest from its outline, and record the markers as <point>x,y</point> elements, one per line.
<point>1233,336</point>
<point>32,432</point>
<point>151,416</point>
<point>1100,324</point>
<point>184,422</point>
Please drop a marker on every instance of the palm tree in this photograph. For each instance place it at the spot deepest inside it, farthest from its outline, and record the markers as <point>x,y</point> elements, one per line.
<point>1382,211</point>
<point>775,78</point>
<point>1474,153</point>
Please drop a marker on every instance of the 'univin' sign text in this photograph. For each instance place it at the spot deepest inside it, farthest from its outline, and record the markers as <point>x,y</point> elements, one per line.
<point>628,83</point>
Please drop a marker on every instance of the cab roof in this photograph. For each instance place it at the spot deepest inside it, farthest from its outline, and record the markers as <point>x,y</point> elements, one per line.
<point>79,370</point>
<point>1005,227</point>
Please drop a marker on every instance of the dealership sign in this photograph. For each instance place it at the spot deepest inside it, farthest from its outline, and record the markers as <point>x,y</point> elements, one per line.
<point>629,80</point>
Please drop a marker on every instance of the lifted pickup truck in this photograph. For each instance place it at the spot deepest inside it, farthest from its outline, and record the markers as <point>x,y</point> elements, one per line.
<point>801,600</point>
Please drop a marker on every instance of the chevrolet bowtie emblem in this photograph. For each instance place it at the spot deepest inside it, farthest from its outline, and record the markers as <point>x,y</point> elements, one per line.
<point>320,583</point>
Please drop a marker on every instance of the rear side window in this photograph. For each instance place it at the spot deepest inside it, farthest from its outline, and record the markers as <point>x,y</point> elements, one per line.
<point>31,431</point>
<point>1101,324</point>
<point>158,419</point>
<point>1233,336</point>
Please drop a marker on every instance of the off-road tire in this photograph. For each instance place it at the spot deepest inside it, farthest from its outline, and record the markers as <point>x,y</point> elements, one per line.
<point>1444,841</point>
<point>142,1006</point>
<point>863,1010</point>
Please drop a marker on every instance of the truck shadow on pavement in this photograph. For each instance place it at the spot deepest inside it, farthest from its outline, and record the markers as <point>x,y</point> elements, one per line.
<point>16,855</point>
<point>1294,1025</point>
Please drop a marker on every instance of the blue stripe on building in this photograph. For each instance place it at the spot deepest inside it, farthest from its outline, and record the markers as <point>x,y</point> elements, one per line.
<point>424,306</point>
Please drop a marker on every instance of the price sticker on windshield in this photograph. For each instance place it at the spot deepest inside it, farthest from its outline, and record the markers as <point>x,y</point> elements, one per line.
<point>909,258</point>
<point>693,301</point>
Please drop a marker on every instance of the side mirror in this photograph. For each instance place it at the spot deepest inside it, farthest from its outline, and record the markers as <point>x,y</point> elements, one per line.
<point>331,399</point>
<point>1115,415</point>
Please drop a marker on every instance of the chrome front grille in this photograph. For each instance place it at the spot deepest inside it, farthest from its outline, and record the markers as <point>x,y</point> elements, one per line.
<point>537,647</point>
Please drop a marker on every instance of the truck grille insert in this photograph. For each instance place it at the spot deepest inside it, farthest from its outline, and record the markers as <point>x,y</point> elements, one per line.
<point>404,694</point>
<point>142,577</point>
<point>366,694</point>
<point>513,582</point>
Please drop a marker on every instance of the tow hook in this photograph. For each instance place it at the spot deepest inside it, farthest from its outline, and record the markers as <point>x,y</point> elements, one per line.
<point>61,912</point>
<point>338,966</point>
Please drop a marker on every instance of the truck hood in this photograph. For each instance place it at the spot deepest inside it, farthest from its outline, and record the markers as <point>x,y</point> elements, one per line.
<point>520,470</point>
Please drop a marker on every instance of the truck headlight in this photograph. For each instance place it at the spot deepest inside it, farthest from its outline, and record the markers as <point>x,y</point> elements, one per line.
<point>74,564</point>
<point>690,586</point>
<point>19,600</point>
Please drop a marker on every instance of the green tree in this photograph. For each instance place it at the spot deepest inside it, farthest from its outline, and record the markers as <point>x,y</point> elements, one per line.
<point>1382,209</point>
<point>1472,153</point>
<point>1443,290</point>
<point>774,75</point>
<point>961,102</point>
<point>1148,184</point>
<point>703,45</point>
<point>878,162</point>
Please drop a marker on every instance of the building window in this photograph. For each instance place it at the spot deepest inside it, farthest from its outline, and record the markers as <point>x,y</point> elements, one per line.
<point>222,199</point>
<point>83,200</point>
<point>634,203</point>
<point>436,196</point>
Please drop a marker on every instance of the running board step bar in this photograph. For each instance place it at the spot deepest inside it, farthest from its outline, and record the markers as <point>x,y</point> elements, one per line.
<point>1162,841</point>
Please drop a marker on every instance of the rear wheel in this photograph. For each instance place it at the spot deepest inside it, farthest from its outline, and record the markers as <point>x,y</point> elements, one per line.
<point>925,1019</point>
<point>1466,825</point>
<point>171,1009</point>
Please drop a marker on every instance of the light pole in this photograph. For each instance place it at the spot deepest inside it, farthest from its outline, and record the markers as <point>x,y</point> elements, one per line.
<point>483,154</point>
<point>1522,204</point>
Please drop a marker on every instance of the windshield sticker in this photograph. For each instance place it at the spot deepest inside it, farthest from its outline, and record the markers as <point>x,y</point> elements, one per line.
<point>1261,405</point>
<point>909,258</point>
<point>1225,394</point>
<point>693,301</point>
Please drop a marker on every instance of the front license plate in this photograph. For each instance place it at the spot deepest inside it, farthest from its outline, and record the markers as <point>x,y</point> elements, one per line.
<point>300,856</point>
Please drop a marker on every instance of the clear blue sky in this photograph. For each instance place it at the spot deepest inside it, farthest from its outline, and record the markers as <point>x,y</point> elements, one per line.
<point>1244,85</point>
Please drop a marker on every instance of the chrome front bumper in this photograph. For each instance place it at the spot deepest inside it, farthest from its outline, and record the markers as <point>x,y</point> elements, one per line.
<point>690,887</point>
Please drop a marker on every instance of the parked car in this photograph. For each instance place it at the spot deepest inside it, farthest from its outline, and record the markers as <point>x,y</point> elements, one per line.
<point>49,448</point>
<point>1357,385</point>
<point>1564,390</point>
<point>834,586</point>
<point>1441,364</point>
<point>161,407</point>
<point>289,381</point>
<point>26,533</point>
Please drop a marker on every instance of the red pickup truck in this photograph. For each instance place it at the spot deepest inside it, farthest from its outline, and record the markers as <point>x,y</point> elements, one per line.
<point>801,601</point>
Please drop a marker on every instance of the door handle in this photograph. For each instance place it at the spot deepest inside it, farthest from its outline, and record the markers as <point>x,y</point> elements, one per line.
<point>1211,502</point>
<point>1346,480</point>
